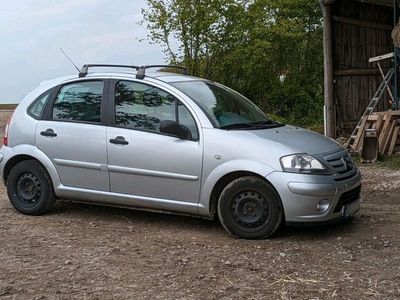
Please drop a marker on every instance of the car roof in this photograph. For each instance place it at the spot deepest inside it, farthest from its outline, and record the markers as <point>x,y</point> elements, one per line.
<point>172,77</point>
<point>161,76</point>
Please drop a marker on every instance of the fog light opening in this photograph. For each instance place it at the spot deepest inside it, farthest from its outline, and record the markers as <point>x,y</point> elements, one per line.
<point>323,205</point>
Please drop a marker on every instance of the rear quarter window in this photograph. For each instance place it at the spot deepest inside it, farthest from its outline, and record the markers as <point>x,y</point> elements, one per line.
<point>36,109</point>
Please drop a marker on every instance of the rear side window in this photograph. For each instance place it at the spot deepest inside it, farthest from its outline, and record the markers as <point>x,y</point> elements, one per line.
<point>79,101</point>
<point>36,109</point>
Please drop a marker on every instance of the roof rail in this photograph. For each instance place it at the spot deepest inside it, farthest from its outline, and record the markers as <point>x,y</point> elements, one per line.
<point>84,71</point>
<point>141,73</point>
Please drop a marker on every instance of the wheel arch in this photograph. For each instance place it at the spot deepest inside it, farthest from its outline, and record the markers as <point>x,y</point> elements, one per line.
<point>13,161</point>
<point>221,176</point>
<point>29,152</point>
<point>222,183</point>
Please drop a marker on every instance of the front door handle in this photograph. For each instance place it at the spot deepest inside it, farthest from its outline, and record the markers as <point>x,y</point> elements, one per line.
<point>49,132</point>
<point>119,140</point>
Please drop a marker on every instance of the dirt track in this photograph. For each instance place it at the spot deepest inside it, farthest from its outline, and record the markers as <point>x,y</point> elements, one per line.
<point>96,252</point>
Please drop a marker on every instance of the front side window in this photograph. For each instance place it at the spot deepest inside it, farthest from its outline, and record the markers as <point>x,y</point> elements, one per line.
<point>144,107</point>
<point>224,107</point>
<point>79,101</point>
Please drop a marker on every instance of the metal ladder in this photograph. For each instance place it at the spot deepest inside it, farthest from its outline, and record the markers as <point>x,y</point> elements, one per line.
<point>368,111</point>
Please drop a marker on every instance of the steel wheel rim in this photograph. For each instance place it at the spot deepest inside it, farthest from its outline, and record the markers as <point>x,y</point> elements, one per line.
<point>250,209</point>
<point>28,189</point>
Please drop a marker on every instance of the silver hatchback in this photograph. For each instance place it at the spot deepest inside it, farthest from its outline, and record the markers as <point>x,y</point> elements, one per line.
<point>173,143</point>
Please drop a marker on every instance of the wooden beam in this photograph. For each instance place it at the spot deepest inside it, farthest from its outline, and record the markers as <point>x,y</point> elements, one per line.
<point>358,72</point>
<point>378,2</point>
<point>363,23</point>
<point>329,112</point>
<point>389,112</point>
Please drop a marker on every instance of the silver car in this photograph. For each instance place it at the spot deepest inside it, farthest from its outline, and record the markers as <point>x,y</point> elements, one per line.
<point>173,143</point>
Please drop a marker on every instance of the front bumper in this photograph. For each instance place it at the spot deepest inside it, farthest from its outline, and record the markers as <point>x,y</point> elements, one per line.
<point>302,195</point>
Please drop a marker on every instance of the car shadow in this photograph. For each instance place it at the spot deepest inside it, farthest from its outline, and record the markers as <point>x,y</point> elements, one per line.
<point>328,231</point>
<point>93,212</point>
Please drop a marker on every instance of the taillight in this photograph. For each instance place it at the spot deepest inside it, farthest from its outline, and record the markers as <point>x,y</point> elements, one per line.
<point>5,138</point>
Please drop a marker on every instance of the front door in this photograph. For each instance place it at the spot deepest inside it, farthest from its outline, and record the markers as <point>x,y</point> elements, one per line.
<point>73,137</point>
<point>143,162</point>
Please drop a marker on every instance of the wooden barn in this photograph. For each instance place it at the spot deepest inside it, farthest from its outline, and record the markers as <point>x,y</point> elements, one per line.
<point>354,32</point>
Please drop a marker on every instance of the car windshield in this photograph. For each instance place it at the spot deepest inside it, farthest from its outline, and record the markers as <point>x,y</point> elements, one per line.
<point>226,108</point>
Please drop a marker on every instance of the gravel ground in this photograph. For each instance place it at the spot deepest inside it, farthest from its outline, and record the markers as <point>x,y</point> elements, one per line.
<point>83,251</point>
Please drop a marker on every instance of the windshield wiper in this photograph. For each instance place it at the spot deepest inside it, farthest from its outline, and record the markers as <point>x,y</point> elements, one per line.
<point>266,124</point>
<point>237,126</point>
<point>253,125</point>
<point>261,123</point>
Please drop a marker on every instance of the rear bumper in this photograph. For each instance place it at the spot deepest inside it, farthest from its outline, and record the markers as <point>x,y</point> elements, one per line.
<point>303,195</point>
<point>5,155</point>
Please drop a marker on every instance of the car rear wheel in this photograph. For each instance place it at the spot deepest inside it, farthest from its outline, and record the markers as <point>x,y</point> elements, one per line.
<point>30,189</point>
<point>250,208</point>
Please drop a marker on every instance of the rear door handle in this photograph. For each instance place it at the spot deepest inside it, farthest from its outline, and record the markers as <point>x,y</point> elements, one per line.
<point>119,140</point>
<point>49,132</point>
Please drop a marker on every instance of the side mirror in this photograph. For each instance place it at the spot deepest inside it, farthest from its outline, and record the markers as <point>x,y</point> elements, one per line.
<point>175,129</point>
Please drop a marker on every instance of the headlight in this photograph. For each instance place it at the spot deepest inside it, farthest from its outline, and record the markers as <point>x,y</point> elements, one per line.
<point>303,163</point>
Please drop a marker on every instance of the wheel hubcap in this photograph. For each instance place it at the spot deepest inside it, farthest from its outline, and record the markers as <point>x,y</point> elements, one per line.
<point>250,209</point>
<point>28,188</point>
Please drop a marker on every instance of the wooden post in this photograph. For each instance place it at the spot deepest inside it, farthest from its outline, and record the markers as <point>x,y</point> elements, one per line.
<point>330,129</point>
<point>396,87</point>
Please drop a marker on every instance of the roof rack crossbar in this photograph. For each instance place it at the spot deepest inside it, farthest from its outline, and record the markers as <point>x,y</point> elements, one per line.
<point>84,71</point>
<point>141,73</point>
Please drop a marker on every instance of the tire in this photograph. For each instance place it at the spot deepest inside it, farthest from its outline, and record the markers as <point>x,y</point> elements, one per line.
<point>250,208</point>
<point>30,189</point>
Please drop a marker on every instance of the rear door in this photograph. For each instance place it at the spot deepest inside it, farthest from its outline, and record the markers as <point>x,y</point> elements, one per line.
<point>72,135</point>
<point>143,161</point>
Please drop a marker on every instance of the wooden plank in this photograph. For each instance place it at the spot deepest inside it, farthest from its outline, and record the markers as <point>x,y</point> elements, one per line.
<point>389,137</point>
<point>394,140</point>
<point>384,133</point>
<point>358,72</point>
<point>363,23</point>
<point>373,118</point>
<point>389,112</point>
<point>360,134</point>
<point>378,124</point>
<point>380,2</point>
<point>381,57</point>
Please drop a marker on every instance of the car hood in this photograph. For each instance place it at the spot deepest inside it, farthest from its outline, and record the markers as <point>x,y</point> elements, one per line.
<point>299,140</point>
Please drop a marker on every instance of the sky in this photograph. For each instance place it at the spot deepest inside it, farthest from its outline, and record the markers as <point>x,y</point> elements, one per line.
<point>89,31</point>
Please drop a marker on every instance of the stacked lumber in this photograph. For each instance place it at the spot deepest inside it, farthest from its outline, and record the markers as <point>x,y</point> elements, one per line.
<point>387,126</point>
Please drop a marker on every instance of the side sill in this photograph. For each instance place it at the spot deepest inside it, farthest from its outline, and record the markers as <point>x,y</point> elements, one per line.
<point>124,200</point>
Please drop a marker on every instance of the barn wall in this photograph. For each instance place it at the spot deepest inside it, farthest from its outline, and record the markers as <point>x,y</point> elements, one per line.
<point>353,46</point>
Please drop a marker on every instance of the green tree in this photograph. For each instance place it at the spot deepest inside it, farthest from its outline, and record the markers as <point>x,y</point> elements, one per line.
<point>249,45</point>
<point>191,24</point>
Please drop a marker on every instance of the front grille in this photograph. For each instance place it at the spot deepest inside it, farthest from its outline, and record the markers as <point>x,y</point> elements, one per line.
<point>342,164</point>
<point>347,198</point>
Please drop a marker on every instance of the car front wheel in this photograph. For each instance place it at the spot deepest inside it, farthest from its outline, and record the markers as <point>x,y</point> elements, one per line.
<point>250,208</point>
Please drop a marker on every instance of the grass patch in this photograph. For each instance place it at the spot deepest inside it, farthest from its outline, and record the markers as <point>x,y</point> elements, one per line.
<point>384,161</point>
<point>391,162</point>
